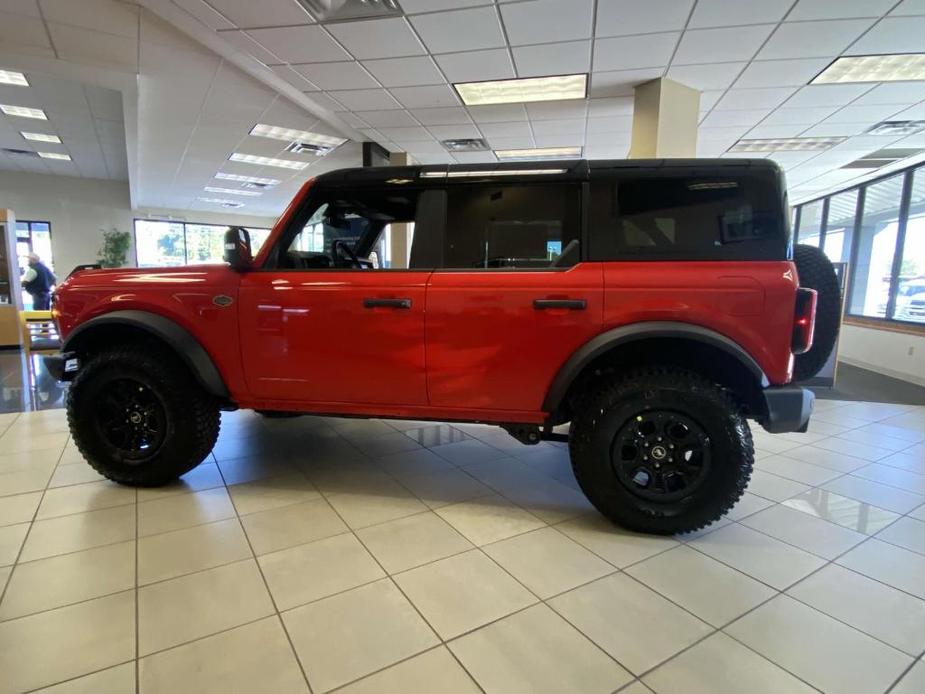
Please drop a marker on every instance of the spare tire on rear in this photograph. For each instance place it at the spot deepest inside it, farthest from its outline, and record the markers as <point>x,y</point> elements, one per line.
<point>816,271</point>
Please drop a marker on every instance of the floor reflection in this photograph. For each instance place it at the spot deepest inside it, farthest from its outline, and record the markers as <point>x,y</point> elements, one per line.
<point>25,389</point>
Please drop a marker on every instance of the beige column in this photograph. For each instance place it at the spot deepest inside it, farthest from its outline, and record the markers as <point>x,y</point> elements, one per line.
<point>665,115</point>
<point>400,233</point>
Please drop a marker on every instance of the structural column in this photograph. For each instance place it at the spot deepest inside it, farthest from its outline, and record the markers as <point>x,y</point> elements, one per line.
<point>665,115</point>
<point>400,233</point>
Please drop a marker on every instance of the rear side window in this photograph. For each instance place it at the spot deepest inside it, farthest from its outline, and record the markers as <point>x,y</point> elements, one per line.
<point>511,226</point>
<point>688,217</point>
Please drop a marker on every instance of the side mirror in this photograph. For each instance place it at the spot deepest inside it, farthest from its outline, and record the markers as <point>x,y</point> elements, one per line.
<point>238,248</point>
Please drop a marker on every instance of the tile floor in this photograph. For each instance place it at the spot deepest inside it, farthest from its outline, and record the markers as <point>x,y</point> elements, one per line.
<point>367,556</point>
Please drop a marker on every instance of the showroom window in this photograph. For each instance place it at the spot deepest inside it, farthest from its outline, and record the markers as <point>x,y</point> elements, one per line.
<point>879,230</point>
<point>516,226</point>
<point>32,237</point>
<point>171,244</point>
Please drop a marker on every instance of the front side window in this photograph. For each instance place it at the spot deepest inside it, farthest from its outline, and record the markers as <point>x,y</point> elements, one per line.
<point>910,288</point>
<point>810,231</point>
<point>839,226</point>
<point>171,244</point>
<point>511,226</point>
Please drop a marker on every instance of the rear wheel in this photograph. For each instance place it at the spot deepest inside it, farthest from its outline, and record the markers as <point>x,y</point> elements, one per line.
<point>661,451</point>
<point>138,418</point>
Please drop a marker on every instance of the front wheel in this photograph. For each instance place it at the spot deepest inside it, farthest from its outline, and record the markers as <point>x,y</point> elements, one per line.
<point>138,418</point>
<point>661,451</point>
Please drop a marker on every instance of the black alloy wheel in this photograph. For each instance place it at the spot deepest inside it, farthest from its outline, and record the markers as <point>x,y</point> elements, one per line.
<point>130,419</point>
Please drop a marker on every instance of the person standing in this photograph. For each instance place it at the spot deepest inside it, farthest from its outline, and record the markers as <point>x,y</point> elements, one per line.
<point>38,281</point>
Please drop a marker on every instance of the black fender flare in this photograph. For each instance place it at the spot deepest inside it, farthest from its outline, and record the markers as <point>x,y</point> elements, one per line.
<point>187,347</point>
<point>597,346</point>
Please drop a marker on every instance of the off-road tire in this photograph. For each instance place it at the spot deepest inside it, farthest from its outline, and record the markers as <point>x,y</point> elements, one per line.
<point>191,414</point>
<point>609,408</point>
<point>815,271</point>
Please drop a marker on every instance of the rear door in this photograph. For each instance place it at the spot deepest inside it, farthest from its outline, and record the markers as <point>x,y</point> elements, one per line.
<point>511,300</point>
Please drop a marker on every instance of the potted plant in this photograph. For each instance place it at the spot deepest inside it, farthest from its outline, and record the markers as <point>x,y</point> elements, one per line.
<point>115,248</point>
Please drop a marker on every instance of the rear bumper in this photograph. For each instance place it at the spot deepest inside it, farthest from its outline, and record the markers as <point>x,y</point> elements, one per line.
<point>61,365</point>
<point>788,408</point>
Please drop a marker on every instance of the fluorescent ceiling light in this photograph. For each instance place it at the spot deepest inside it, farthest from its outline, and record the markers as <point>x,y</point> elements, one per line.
<point>268,161</point>
<point>54,155</point>
<point>479,174</point>
<point>233,191</point>
<point>522,90</point>
<point>874,68</point>
<point>539,153</point>
<point>247,179</point>
<point>224,202</point>
<point>23,112</point>
<point>786,144</point>
<point>41,137</point>
<point>302,136</point>
<point>13,77</point>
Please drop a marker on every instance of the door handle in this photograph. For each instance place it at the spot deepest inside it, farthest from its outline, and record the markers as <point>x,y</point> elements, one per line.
<point>386,303</point>
<point>570,304</point>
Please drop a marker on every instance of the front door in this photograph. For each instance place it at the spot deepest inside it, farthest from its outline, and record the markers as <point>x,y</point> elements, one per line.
<point>325,324</point>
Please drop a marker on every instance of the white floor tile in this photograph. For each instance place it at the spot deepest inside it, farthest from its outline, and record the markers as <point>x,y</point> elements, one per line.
<point>889,564</point>
<point>804,531</point>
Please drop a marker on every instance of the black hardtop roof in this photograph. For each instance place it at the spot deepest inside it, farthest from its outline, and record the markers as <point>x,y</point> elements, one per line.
<point>572,169</point>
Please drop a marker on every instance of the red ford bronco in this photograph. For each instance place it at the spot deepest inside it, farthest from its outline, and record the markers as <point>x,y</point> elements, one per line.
<point>654,305</point>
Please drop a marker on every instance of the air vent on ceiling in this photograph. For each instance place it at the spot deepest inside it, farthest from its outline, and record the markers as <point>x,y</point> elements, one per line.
<point>20,152</point>
<point>882,157</point>
<point>897,127</point>
<point>257,186</point>
<point>346,10</point>
<point>232,204</point>
<point>302,148</point>
<point>468,144</point>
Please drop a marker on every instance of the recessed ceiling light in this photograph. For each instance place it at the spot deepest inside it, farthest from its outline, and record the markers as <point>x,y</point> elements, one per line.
<point>465,144</point>
<point>232,191</point>
<point>501,172</point>
<point>786,144</point>
<point>247,179</point>
<point>539,153</point>
<point>314,142</point>
<point>268,161</point>
<point>54,155</point>
<point>874,68</point>
<point>224,202</point>
<point>522,90</point>
<point>341,10</point>
<point>41,137</point>
<point>13,77</point>
<point>896,127</point>
<point>23,112</point>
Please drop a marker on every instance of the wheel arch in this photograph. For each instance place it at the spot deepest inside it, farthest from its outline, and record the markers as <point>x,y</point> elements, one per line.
<point>133,324</point>
<point>659,342</point>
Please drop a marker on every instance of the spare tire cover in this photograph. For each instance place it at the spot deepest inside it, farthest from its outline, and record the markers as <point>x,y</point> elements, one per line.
<point>815,271</point>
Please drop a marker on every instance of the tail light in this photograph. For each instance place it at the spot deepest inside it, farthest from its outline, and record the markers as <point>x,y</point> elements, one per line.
<point>804,321</point>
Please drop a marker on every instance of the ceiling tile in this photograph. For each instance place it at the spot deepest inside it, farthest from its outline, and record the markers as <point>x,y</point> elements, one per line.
<point>352,120</point>
<point>560,140</point>
<point>474,157</point>
<point>610,124</point>
<point>246,14</point>
<point>568,58</point>
<point>813,39</point>
<point>566,126</point>
<point>377,38</point>
<point>754,98</point>
<point>762,131</point>
<point>827,95</point>
<point>781,73</point>
<point>415,6</point>
<point>328,76</point>
<point>864,114</point>
<point>557,110</point>
<point>709,76</point>
<point>722,13</point>
<point>462,30</point>
<point>623,17</point>
<point>366,99</point>
<point>325,101</point>
<point>720,45</point>
<point>204,12</point>
<point>631,52</point>
<point>307,44</point>
<point>709,98</point>
<point>429,146</point>
<point>725,132</point>
<point>838,9</point>
<point>612,137</point>
<point>829,129</point>
<point>513,129</point>
<point>458,130</point>
<point>442,116</point>
<point>411,134</point>
<point>797,116</point>
<point>749,117</point>
<point>910,7</point>
<point>405,72</point>
<point>98,15</point>
<point>498,113</point>
<point>426,97</point>
<point>893,93</point>
<point>615,106</point>
<point>620,82</point>
<point>893,35</point>
<point>512,142</point>
<point>294,78</point>
<point>476,66</point>
<point>543,21</point>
